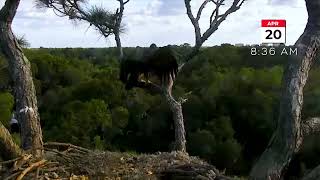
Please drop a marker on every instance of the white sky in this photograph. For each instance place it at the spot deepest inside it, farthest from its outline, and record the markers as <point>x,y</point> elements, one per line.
<point>158,21</point>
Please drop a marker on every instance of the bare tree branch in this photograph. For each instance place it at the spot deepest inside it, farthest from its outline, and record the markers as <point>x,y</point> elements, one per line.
<point>214,23</point>
<point>126,2</point>
<point>119,15</point>
<point>220,18</point>
<point>215,20</point>
<point>203,5</point>
<point>215,13</point>
<point>194,22</point>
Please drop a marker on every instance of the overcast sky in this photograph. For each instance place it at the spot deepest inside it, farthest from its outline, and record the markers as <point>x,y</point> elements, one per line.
<point>158,21</point>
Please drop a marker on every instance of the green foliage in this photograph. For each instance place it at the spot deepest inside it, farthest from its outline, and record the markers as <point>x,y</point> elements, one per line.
<point>120,116</point>
<point>105,19</point>
<point>202,142</point>
<point>216,143</point>
<point>231,112</point>
<point>79,121</point>
<point>23,42</point>
<point>6,105</point>
<point>98,143</point>
<point>16,138</point>
<point>4,74</point>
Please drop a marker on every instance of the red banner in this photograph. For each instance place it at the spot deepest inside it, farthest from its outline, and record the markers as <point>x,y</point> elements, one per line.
<point>273,23</point>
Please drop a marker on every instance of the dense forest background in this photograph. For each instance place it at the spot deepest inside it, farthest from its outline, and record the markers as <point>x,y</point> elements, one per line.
<point>230,115</point>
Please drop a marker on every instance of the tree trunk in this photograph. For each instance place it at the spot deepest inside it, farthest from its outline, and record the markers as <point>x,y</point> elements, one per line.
<point>8,149</point>
<point>118,28</point>
<point>288,137</point>
<point>119,46</point>
<point>24,90</point>
<point>176,109</point>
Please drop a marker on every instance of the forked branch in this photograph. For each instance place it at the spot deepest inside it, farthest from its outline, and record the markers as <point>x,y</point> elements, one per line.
<point>215,20</point>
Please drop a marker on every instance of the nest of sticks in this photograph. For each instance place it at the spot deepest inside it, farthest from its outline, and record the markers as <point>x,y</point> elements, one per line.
<point>59,159</point>
<point>67,161</point>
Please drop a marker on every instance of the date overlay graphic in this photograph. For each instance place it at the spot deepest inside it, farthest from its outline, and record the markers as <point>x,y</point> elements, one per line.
<point>273,31</point>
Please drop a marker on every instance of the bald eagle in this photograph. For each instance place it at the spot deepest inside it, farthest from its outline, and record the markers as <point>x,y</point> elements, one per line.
<point>161,63</point>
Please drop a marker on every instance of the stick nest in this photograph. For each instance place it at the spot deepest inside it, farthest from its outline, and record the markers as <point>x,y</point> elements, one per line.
<point>67,161</point>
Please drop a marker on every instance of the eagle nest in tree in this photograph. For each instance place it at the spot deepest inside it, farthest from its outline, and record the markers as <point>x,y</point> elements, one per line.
<point>66,161</point>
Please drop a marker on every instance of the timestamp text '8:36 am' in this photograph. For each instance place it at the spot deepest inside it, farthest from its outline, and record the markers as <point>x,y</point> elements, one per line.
<point>272,51</point>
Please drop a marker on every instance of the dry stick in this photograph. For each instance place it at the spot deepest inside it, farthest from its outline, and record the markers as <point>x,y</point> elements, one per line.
<point>36,164</point>
<point>10,161</point>
<point>12,176</point>
<point>68,150</point>
<point>52,163</point>
<point>76,155</point>
<point>77,151</point>
<point>52,166</point>
<point>51,169</point>
<point>19,163</point>
<point>37,173</point>
<point>58,152</point>
<point>68,145</point>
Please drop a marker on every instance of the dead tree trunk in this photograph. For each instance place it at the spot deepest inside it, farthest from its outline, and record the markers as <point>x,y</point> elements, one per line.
<point>119,46</point>
<point>176,109</point>
<point>290,132</point>
<point>117,28</point>
<point>8,149</point>
<point>215,20</point>
<point>24,90</point>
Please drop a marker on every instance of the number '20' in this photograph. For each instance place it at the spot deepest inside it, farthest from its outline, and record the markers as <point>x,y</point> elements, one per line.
<point>273,34</point>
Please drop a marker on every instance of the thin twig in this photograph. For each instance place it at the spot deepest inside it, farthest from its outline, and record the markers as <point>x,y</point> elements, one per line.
<point>19,163</point>
<point>67,145</point>
<point>10,161</point>
<point>58,152</point>
<point>37,173</point>
<point>203,5</point>
<point>12,176</point>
